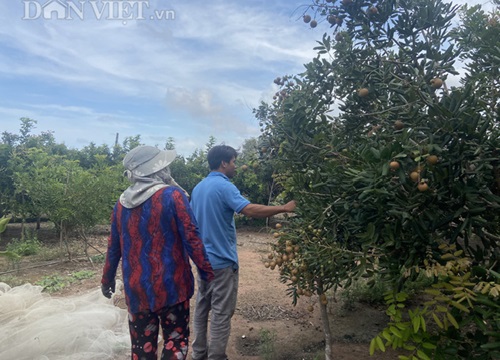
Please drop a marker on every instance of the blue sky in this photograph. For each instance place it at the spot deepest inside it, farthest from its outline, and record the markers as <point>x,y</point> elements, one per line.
<point>159,69</point>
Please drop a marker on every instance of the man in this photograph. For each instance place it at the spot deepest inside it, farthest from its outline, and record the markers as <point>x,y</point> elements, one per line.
<point>214,201</point>
<point>154,233</point>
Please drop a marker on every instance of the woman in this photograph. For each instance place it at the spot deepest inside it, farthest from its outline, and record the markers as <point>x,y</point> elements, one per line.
<point>154,233</point>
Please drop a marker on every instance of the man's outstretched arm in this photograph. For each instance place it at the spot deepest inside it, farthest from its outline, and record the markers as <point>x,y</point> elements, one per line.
<point>263,211</point>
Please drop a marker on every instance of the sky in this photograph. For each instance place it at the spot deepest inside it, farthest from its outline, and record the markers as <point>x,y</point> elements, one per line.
<point>88,70</point>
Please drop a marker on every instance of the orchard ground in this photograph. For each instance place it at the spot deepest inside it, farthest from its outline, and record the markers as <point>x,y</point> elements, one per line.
<point>265,326</point>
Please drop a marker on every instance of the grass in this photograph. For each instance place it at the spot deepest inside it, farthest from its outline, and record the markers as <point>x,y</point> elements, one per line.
<point>54,283</point>
<point>360,291</point>
<point>266,344</point>
<point>26,247</point>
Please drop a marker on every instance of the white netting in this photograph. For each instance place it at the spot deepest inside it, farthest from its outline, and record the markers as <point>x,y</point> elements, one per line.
<point>36,326</point>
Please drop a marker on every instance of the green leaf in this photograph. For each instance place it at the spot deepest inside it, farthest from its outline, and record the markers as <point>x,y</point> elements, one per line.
<point>490,346</point>
<point>452,320</point>
<point>437,321</point>
<point>430,346</point>
<point>422,355</point>
<point>459,306</point>
<point>387,335</point>
<point>396,332</point>
<point>372,347</point>
<point>380,343</point>
<point>422,324</point>
<point>433,292</point>
<point>416,323</point>
<point>4,220</point>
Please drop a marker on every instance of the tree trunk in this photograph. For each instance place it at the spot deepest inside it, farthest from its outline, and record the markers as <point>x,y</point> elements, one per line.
<point>60,235</point>
<point>328,333</point>
<point>23,219</point>
<point>86,245</point>
<point>325,321</point>
<point>23,226</point>
<point>64,231</point>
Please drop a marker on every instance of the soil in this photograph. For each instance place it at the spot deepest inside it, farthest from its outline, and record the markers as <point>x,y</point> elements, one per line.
<point>265,326</point>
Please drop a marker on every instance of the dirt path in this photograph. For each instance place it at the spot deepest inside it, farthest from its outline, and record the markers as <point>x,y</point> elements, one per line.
<point>264,308</point>
<point>266,325</point>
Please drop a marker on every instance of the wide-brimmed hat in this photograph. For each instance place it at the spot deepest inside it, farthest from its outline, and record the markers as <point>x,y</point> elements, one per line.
<point>146,160</point>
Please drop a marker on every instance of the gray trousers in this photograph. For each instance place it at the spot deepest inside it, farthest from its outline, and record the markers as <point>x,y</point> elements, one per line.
<point>219,298</point>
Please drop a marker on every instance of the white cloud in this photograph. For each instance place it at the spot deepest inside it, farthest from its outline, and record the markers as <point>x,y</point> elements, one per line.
<point>196,75</point>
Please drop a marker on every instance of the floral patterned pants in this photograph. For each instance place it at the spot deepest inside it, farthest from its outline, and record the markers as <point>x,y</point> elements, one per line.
<point>144,329</point>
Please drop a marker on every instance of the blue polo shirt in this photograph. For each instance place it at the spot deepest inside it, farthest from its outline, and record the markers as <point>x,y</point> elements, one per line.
<point>214,201</point>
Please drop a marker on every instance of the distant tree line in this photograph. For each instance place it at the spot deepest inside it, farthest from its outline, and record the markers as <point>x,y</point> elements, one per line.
<point>75,189</point>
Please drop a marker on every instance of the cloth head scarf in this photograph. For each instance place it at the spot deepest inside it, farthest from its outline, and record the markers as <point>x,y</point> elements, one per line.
<point>147,170</point>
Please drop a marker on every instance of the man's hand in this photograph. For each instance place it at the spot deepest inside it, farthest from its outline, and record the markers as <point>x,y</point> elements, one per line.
<point>108,289</point>
<point>290,206</point>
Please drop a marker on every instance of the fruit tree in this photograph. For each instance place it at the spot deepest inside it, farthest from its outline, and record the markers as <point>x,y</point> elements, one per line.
<point>393,155</point>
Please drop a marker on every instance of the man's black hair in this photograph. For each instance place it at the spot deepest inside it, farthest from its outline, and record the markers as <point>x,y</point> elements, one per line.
<point>220,153</point>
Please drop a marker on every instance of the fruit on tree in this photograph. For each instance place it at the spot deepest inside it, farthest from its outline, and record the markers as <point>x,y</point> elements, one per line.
<point>398,125</point>
<point>373,10</point>
<point>436,83</point>
<point>313,24</point>
<point>432,159</point>
<point>244,167</point>
<point>414,176</point>
<point>306,18</point>
<point>422,186</point>
<point>363,92</point>
<point>394,165</point>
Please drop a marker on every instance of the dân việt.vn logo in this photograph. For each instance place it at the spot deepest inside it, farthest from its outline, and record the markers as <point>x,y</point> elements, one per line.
<point>97,9</point>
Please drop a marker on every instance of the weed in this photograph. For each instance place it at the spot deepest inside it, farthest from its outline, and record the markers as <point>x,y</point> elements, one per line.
<point>52,283</point>
<point>319,357</point>
<point>266,344</point>
<point>84,274</point>
<point>11,280</point>
<point>48,253</point>
<point>98,259</point>
<point>29,246</point>
<point>360,291</point>
<point>55,283</point>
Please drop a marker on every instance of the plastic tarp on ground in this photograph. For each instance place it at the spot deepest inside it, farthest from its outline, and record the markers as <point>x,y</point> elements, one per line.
<point>37,326</point>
